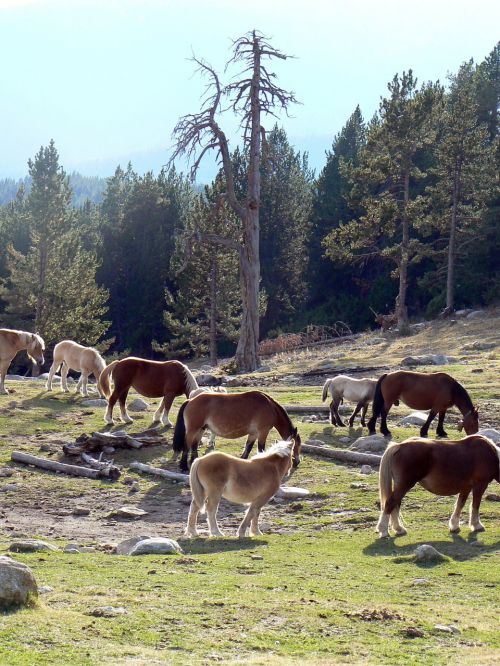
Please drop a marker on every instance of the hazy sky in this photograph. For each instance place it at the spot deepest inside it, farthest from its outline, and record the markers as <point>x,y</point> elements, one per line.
<point>107,79</point>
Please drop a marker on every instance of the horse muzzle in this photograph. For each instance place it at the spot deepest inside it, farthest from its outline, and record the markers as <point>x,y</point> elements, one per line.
<point>296,461</point>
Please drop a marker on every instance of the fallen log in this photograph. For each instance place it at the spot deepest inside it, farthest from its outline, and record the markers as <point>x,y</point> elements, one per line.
<point>342,454</point>
<point>97,440</point>
<point>113,471</point>
<point>306,409</point>
<point>53,466</point>
<point>156,471</point>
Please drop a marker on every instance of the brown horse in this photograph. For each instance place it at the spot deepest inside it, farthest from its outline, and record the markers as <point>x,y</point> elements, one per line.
<point>252,413</point>
<point>251,482</point>
<point>11,342</point>
<point>442,468</point>
<point>153,379</point>
<point>436,391</point>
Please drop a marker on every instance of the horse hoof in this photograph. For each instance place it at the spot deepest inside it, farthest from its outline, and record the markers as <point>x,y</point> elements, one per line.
<point>401,532</point>
<point>454,530</point>
<point>442,434</point>
<point>477,528</point>
<point>383,535</point>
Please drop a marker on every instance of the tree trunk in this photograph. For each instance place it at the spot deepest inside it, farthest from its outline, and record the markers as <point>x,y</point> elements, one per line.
<point>401,311</point>
<point>213,311</point>
<point>450,277</point>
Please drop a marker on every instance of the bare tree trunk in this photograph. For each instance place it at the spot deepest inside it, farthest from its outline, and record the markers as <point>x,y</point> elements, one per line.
<point>40,301</point>
<point>450,277</point>
<point>401,311</point>
<point>213,311</point>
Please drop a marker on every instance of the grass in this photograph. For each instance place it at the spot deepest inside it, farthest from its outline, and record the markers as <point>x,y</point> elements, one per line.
<point>326,589</point>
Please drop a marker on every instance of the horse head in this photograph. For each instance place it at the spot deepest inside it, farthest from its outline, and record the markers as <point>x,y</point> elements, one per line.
<point>35,349</point>
<point>297,445</point>
<point>470,422</point>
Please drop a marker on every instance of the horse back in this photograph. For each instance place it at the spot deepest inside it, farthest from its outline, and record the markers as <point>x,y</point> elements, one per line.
<point>152,379</point>
<point>420,390</point>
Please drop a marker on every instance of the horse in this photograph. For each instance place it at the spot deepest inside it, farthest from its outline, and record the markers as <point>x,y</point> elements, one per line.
<point>153,379</point>
<point>436,391</point>
<point>72,356</point>
<point>360,391</point>
<point>12,341</point>
<point>251,482</point>
<point>442,468</point>
<point>231,415</point>
<point>208,389</point>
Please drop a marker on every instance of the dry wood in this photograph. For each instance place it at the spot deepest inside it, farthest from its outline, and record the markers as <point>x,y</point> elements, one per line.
<point>53,466</point>
<point>342,454</point>
<point>306,409</point>
<point>112,470</point>
<point>156,471</point>
<point>97,440</point>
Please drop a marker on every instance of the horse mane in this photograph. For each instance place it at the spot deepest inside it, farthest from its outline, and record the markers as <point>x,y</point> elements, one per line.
<point>191,383</point>
<point>282,449</point>
<point>462,392</point>
<point>282,411</point>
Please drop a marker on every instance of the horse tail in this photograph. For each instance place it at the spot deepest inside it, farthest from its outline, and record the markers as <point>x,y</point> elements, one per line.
<point>190,383</point>
<point>179,441</point>
<point>378,398</point>
<point>104,379</point>
<point>325,389</point>
<point>385,474</point>
<point>197,490</point>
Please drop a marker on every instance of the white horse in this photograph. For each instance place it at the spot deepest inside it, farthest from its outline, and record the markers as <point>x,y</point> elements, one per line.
<point>208,389</point>
<point>11,342</point>
<point>360,391</point>
<point>72,356</point>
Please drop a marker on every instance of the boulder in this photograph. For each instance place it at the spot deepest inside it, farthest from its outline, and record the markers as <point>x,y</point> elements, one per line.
<point>96,402</point>
<point>366,469</point>
<point>108,611</point>
<point>427,359</point>
<point>415,418</point>
<point>426,553</point>
<point>478,346</point>
<point>127,512</point>
<point>156,546</point>
<point>17,583</point>
<point>370,444</point>
<point>491,433</point>
<point>291,492</point>
<point>125,547</point>
<point>138,405</point>
<point>476,314</point>
<point>31,546</point>
<point>207,379</point>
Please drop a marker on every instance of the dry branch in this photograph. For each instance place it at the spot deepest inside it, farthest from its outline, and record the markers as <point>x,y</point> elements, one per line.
<point>342,454</point>
<point>97,440</point>
<point>73,470</point>
<point>156,471</point>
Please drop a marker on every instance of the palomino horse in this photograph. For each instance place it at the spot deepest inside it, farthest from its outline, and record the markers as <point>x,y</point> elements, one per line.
<point>442,468</point>
<point>153,379</point>
<point>72,356</point>
<point>231,415</point>
<point>436,391</point>
<point>13,341</point>
<point>251,482</point>
<point>360,391</point>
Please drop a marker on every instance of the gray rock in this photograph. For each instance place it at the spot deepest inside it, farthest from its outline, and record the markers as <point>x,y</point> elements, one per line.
<point>345,440</point>
<point>427,359</point>
<point>426,553</point>
<point>17,583</point>
<point>491,433</point>
<point>108,611</point>
<point>156,546</point>
<point>476,314</point>
<point>31,546</point>
<point>492,497</point>
<point>370,444</point>
<point>447,629</point>
<point>291,492</point>
<point>97,402</point>
<point>415,418</point>
<point>9,487</point>
<point>366,469</point>
<point>125,547</point>
<point>138,405</point>
<point>207,379</point>
<point>479,346</point>
<point>6,472</point>
<point>375,341</point>
<point>462,313</point>
<point>45,589</point>
<point>127,512</point>
<point>81,511</point>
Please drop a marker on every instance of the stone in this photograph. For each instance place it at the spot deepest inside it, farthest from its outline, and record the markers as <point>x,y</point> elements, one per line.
<point>421,581</point>
<point>108,449</point>
<point>370,444</point>
<point>345,440</point>
<point>138,405</point>
<point>426,553</point>
<point>291,492</point>
<point>415,419</point>
<point>72,549</point>
<point>357,485</point>
<point>97,402</point>
<point>128,480</point>
<point>427,359</point>
<point>127,512</point>
<point>445,629</point>
<point>31,546</point>
<point>125,547</point>
<point>492,497</point>
<point>45,589</point>
<point>256,557</point>
<point>366,469</point>
<point>476,314</point>
<point>6,472</point>
<point>491,433</point>
<point>9,487</point>
<point>207,379</point>
<point>17,583</point>
<point>156,546</point>
<point>108,611</point>
<point>81,511</point>
<point>477,345</point>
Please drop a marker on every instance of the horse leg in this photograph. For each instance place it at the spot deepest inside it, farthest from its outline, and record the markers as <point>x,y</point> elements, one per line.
<point>84,378</point>
<point>425,428</point>
<point>194,451</point>
<point>4,366</point>
<point>390,512</point>
<point>125,416</point>
<point>212,506</point>
<point>52,370</point>
<point>477,495</point>
<point>440,432</point>
<point>78,385</point>
<point>64,378</point>
<point>167,403</point>
<point>454,522</point>
<point>363,414</point>
<point>248,446</point>
<point>353,415</point>
<point>383,420</point>
<point>194,510</point>
<point>159,411</point>
<point>108,416</point>
<point>335,408</point>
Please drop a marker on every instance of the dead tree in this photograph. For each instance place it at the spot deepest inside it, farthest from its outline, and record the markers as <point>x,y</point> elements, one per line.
<point>253,95</point>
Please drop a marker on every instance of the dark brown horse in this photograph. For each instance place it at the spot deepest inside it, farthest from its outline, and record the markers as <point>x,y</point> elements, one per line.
<point>153,379</point>
<point>252,413</point>
<point>442,468</point>
<point>436,391</point>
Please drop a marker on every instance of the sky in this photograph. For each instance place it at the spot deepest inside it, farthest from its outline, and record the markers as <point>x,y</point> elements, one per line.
<point>108,79</point>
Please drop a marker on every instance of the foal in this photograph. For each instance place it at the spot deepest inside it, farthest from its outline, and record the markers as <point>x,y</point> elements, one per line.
<point>72,356</point>
<point>442,468</point>
<point>360,391</point>
<point>251,482</point>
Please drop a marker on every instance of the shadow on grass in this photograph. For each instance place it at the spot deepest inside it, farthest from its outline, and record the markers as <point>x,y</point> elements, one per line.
<point>457,549</point>
<point>220,545</point>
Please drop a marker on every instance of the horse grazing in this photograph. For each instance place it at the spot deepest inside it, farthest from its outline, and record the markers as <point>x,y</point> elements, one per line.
<point>442,468</point>
<point>251,482</point>
<point>153,379</point>
<point>231,415</point>
<point>436,391</point>
<point>72,356</point>
<point>360,391</point>
<point>11,342</point>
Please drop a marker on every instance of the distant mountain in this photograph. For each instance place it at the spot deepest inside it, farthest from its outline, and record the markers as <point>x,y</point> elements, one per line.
<point>84,188</point>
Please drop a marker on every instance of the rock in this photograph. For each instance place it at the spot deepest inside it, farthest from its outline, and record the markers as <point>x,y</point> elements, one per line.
<point>345,440</point>
<point>476,314</point>
<point>127,512</point>
<point>371,444</point>
<point>375,341</point>
<point>366,469</point>
<point>9,487</point>
<point>415,418</point>
<point>413,632</point>
<point>138,405</point>
<point>6,472</point>
<point>358,485</point>
<point>427,359</point>
<point>477,345</point>
<point>156,546</point>
<point>491,433</point>
<point>263,368</point>
<point>493,497</point>
<point>71,548</point>
<point>128,480</point>
<point>31,546</point>
<point>45,589</point>
<point>445,629</point>
<point>108,611</point>
<point>426,553</point>
<point>97,402</point>
<point>17,583</point>
<point>290,492</point>
<point>477,370</point>
<point>256,557</point>
<point>125,547</point>
<point>421,581</point>
<point>419,326</point>
<point>206,379</point>
<point>81,511</point>
<point>108,449</point>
